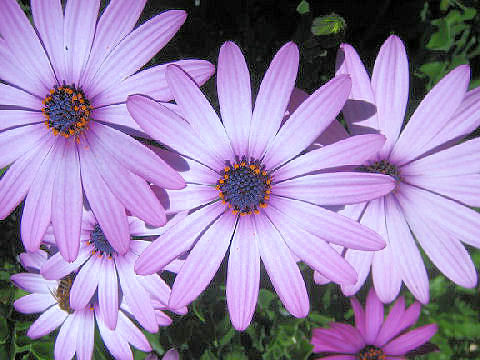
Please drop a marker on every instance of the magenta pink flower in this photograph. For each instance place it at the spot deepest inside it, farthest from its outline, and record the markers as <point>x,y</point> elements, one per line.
<point>437,180</point>
<point>372,337</point>
<point>99,266</point>
<point>252,191</point>
<point>76,335</point>
<point>62,110</point>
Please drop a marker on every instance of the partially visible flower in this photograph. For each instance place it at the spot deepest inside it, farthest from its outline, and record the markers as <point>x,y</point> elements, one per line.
<point>437,180</point>
<point>251,190</point>
<point>77,327</point>
<point>374,338</point>
<point>63,119</point>
<point>171,354</point>
<point>98,265</point>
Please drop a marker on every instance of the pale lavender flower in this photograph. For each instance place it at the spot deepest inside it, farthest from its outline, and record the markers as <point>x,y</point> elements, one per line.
<point>372,338</point>
<point>99,266</point>
<point>437,180</point>
<point>275,218</point>
<point>77,327</point>
<point>62,106</point>
<point>171,354</point>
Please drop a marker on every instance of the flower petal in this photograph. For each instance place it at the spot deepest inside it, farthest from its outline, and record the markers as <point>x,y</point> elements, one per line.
<point>171,354</point>
<point>189,198</point>
<point>66,341</point>
<point>360,261</point>
<point>431,116</point>
<point>243,276</point>
<point>116,115</point>
<point>273,98</point>
<point>85,283</point>
<point>390,326</point>
<point>359,316</point>
<point>281,268</point>
<point>33,260</point>
<point>33,283</point>
<point>13,118</point>
<point>34,303</point>
<point>47,322</point>
<point>234,95</point>
<point>410,340</point>
<point>13,96</point>
<point>308,121</point>
<point>196,273</point>
<point>331,340</point>
<point>128,331</point>
<point>116,343</point>
<point>86,327</point>
<point>386,274</point>
<point>108,291</point>
<point>56,267</point>
<point>373,317</point>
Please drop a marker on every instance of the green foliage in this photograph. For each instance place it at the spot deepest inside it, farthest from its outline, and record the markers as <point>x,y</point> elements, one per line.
<point>328,25</point>
<point>303,7</point>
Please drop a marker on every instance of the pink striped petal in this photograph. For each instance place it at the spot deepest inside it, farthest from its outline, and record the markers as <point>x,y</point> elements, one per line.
<point>171,354</point>
<point>373,317</point>
<point>386,274</point>
<point>178,240</point>
<point>408,258</point>
<point>33,283</point>
<point>48,18</point>
<point>66,341</point>
<point>10,95</point>
<point>432,114</point>
<point>243,276</point>
<point>156,287</point>
<point>116,344</point>
<point>135,50</point>
<point>313,251</point>
<point>330,340</point>
<point>328,225</point>
<point>33,260</point>
<point>47,322</point>
<point>273,98</point>
<point>359,316</point>
<point>360,261</point>
<point>411,340</point>
<point>308,121</point>
<point>34,303</point>
<point>333,133</point>
<point>86,326</point>
<point>281,268</point>
<point>131,333</point>
<point>390,327</point>
<point>234,95</point>
<point>115,115</point>
<point>13,118</point>
<point>108,291</point>
<point>190,198</point>
<point>410,316</point>
<point>108,210</point>
<point>360,111</point>
<point>338,357</point>
<point>354,150</point>
<point>390,87</point>
<point>56,267</point>
<point>85,283</point>
<point>196,273</point>
<point>350,334</point>
<point>338,188</point>
<point>319,279</point>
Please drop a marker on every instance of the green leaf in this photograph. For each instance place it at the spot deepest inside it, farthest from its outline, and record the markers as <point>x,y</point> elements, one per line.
<point>328,24</point>
<point>43,350</point>
<point>208,355</point>
<point>4,333</point>
<point>440,40</point>
<point>303,7</point>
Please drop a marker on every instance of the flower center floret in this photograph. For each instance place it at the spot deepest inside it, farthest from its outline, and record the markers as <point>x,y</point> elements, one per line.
<point>382,167</point>
<point>67,111</point>
<point>371,352</point>
<point>245,187</point>
<point>62,295</point>
<point>99,243</point>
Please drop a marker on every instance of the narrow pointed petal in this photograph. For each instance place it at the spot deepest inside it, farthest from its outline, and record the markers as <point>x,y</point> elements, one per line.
<point>386,274</point>
<point>338,188</point>
<point>431,116</point>
<point>171,354</point>
<point>116,115</point>
<point>116,344</point>
<point>10,95</point>
<point>351,334</point>
<point>410,317</point>
<point>360,111</point>
<point>281,268</point>
<point>408,258</point>
<point>33,260</point>
<point>48,18</point>
<point>328,225</point>
<point>196,273</point>
<point>128,331</point>
<point>169,128</point>
<point>234,95</point>
<point>47,322</point>
<point>190,198</point>
<point>354,150</point>
<point>14,118</point>
<point>360,261</point>
<point>410,340</point>
<point>84,348</point>
<point>107,209</point>
<point>243,276</point>
<point>374,314</point>
<point>16,142</point>
<point>390,326</point>
<point>135,50</point>
<point>66,341</point>
<point>85,283</point>
<point>198,111</point>
<point>156,287</point>
<point>273,98</point>
<point>179,239</point>
<point>312,250</point>
<point>319,279</point>
<point>108,292</point>
<point>56,267</point>
<point>330,340</point>
<point>359,316</point>
<point>308,121</point>
<point>34,303</point>
<point>33,283</point>
<point>390,79</point>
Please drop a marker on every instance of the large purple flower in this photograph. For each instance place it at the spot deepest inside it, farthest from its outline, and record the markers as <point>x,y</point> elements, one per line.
<point>372,338</point>
<point>255,193</point>
<point>437,180</point>
<point>61,109</point>
<point>76,335</point>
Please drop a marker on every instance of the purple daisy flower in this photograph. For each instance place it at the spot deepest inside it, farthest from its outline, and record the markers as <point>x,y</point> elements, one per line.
<point>372,338</point>
<point>76,335</point>
<point>61,109</point>
<point>98,265</point>
<point>437,180</point>
<point>254,198</point>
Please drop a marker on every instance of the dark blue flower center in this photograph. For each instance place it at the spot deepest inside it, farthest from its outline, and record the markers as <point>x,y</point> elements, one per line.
<point>99,242</point>
<point>67,111</point>
<point>371,352</point>
<point>382,167</point>
<point>245,187</point>
<point>62,295</point>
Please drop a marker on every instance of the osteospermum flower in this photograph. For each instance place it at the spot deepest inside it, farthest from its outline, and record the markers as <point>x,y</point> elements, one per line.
<point>437,180</point>
<point>249,189</point>
<point>372,338</point>
<point>76,335</point>
<point>61,108</point>
<point>99,266</point>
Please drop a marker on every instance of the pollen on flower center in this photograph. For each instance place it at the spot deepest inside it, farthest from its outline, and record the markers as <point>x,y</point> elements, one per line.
<point>67,111</point>
<point>62,295</point>
<point>99,243</point>
<point>371,352</point>
<point>382,167</point>
<point>245,187</point>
